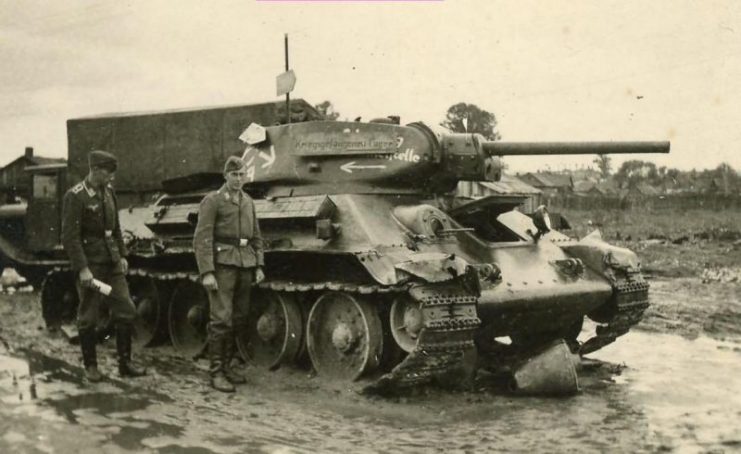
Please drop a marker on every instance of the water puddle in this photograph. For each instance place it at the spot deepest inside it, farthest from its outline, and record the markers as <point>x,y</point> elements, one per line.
<point>43,395</point>
<point>689,390</point>
<point>674,394</point>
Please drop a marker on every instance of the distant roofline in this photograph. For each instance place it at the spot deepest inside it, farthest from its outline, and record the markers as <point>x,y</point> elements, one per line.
<point>184,110</point>
<point>50,166</point>
<point>35,160</point>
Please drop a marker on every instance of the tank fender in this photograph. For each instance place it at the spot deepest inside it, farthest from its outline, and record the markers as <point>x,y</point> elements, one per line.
<point>380,267</point>
<point>604,258</point>
<point>434,266</point>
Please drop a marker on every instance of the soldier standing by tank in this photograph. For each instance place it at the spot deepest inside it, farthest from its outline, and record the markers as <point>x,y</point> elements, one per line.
<point>229,252</point>
<point>92,238</point>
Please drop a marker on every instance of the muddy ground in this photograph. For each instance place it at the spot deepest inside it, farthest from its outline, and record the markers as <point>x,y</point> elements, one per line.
<point>672,384</point>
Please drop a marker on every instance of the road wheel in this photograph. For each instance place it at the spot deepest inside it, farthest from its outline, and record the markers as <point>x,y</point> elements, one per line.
<point>274,334</point>
<point>149,297</point>
<point>188,317</point>
<point>344,336</point>
<point>406,320</point>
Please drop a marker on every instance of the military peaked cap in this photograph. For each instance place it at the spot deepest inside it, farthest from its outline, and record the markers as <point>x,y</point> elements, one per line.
<point>233,163</point>
<point>103,160</point>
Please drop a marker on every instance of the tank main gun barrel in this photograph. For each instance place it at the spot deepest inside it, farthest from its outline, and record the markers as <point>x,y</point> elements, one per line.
<point>573,148</point>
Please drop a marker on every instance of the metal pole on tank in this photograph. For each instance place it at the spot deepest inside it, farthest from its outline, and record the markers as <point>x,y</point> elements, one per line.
<point>285,83</point>
<point>288,94</point>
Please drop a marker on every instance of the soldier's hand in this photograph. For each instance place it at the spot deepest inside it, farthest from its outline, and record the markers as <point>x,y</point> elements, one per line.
<point>124,265</point>
<point>259,275</point>
<point>209,282</point>
<point>86,277</point>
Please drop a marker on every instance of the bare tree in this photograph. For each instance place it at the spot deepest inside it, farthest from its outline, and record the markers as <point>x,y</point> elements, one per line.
<point>604,164</point>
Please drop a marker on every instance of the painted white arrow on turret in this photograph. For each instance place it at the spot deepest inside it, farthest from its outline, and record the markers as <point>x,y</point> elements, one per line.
<point>351,165</point>
<point>269,158</point>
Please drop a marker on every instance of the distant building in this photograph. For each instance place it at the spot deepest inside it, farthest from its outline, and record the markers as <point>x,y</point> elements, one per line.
<point>548,182</point>
<point>15,181</point>
<point>640,195</point>
<point>551,184</point>
<point>592,188</point>
<point>715,185</point>
<point>508,186</point>
<point>585,174</point>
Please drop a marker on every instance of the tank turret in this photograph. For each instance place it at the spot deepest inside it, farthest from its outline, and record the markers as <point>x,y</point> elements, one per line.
<point>320,157</point>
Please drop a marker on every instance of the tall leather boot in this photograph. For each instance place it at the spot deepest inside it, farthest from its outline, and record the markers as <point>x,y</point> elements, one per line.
<point>123,347</point>
<point>232,375</point>
<point>217,355</point>
<point>88,341</point>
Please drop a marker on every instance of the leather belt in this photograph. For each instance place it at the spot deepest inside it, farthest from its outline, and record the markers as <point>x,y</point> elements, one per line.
<point>240,242</point>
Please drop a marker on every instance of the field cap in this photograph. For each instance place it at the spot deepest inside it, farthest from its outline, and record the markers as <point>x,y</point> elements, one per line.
<point>103,160</point>
<point>233,163</point>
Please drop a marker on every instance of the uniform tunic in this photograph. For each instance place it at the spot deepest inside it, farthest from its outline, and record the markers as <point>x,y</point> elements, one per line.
<point>91,236</point>
<point>228,243</point>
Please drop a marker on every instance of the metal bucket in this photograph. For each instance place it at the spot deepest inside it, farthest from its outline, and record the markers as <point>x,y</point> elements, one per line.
<point>551,372</point>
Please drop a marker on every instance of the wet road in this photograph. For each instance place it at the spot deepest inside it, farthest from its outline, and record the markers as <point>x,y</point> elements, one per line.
<point>675,395</point>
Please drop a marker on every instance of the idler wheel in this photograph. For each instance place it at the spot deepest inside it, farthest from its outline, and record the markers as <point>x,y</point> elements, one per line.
<point>407,322</point>
<point>274,330</point>
<point>188,316</point>
<point>344,336</point>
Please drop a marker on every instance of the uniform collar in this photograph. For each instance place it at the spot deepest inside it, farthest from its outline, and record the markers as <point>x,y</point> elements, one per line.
<point>91,191</point>
<point>228,196</point>
<point>88,188</point>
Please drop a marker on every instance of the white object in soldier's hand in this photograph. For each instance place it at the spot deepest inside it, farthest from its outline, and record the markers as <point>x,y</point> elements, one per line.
<point>243,242</point>
<point>101,287</point>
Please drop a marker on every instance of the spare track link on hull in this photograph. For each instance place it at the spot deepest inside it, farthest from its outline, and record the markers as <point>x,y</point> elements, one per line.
<point>631,301</point>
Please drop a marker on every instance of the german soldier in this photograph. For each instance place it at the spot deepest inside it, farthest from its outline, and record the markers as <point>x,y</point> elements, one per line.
<point>229,252</point>
<point>91,236</point>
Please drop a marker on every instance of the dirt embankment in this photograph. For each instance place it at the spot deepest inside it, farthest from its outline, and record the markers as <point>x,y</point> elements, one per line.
<point>693,261</point>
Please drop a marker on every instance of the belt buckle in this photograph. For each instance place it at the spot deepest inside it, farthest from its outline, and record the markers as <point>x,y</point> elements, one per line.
<point>108,233</point>
<point>243,242</point>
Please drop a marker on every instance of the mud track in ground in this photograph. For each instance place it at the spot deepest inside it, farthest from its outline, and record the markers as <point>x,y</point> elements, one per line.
<point>653,391</point>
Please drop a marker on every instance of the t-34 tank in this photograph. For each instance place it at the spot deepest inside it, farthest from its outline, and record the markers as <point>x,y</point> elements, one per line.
<point>365,250</point>
<point>373,267</point>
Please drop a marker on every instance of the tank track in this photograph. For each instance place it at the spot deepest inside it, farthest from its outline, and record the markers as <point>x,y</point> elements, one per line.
<point>445,351</point>
<point>630,300</point>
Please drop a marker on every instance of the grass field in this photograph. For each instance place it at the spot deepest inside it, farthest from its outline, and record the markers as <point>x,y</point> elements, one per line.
<point>670,243</point>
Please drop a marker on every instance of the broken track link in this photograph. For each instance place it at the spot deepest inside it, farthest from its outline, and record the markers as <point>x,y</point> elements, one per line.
<point>445,352</point>
<point>630,300</point>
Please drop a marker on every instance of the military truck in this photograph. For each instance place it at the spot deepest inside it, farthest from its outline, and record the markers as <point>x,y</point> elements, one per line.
<point>374,267</point>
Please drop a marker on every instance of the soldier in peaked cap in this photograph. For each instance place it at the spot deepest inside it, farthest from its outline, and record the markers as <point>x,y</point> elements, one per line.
<point>91,236</point>
<point>229,252</point>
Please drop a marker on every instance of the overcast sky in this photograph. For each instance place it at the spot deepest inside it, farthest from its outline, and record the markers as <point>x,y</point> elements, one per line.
<point>556,70</point>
